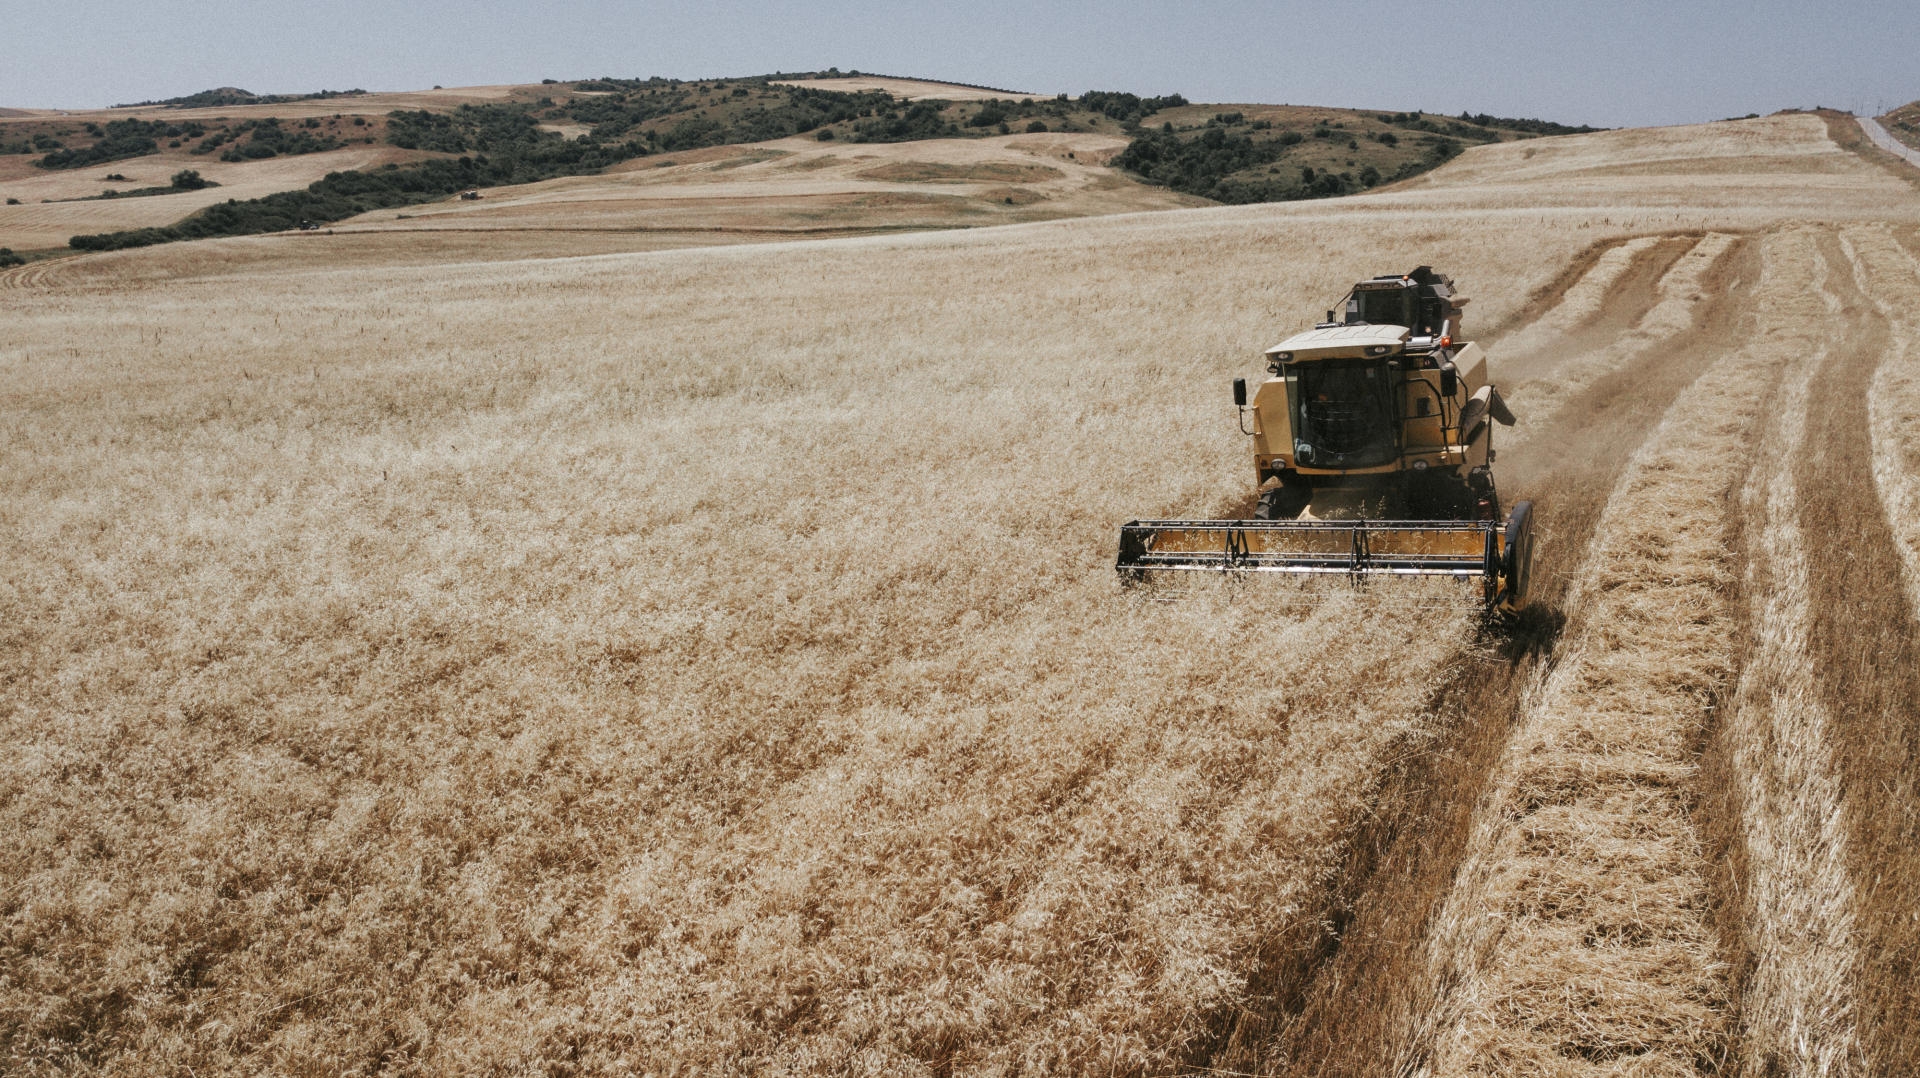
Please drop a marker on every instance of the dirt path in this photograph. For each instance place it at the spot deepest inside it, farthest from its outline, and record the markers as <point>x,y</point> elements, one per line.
<point>1887,142</point>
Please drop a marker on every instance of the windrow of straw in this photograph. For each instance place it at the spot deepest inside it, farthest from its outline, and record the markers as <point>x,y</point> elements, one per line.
<point>1576,939</point>
<point>1798,1010</point>
<point>1582,300</point>
<point>1680,295</point>
<point>1866,650</point>
<point>1893,401</point>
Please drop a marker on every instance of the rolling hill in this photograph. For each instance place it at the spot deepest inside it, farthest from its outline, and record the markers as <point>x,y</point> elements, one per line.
<point>443,143</point>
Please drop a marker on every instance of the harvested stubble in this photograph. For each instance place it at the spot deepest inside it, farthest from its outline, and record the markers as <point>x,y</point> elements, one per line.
<point>1867,653</point>
<point>1360,1016</point>
<point>1798,1010</point>
<point>1581,302</point>
<point>1893,400</point>
<point>1576,940</point>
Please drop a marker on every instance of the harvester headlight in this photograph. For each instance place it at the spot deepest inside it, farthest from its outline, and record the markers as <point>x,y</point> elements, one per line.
<point>1303,451</point>
<point>1377,350</point>
<point>1282,357</point>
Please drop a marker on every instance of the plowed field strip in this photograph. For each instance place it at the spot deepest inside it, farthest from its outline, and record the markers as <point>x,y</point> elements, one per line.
<point>1796,915</point>
<point>1351,1019</point>
<point>1577,938</point>
<point>1867,668</point>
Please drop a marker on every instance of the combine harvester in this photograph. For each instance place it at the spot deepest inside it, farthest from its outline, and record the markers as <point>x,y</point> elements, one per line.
<point>1384,414</point>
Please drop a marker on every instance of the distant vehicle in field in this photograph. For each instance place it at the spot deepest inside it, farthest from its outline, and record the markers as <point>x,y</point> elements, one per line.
<point>309,226</point>
<point>1384,413</point>
<point>469,196</point>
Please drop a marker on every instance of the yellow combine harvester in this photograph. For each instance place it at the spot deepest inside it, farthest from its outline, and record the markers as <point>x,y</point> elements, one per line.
<point>1372,442</point>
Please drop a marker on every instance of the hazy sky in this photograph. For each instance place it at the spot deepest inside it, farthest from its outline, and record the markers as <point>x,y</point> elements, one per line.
<point>1607,62</point>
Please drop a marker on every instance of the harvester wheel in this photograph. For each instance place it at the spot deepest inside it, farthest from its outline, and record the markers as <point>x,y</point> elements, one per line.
<point>1516,560</point>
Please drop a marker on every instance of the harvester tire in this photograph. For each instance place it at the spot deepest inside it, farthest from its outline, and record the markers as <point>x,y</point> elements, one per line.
<point>1516,560</point>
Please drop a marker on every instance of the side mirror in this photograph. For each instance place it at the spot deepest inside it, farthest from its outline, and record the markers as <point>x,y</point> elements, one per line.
<point>1240,392</point>
<point>1449,381</point>
<point>1330,317</point>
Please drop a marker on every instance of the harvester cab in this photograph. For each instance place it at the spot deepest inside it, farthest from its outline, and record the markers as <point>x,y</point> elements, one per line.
<point>1372,449</point>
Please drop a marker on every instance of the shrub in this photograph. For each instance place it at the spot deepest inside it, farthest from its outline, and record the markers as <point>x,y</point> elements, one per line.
<point>990,114</point>
<point>825,134</point>
<point>1125,107</point>
<point>425,130</point>
<point>188,179</point>
<point>13,202</point>
<point>266,138</point>
<point>118,139</point>
<point>1037,127</point>
<point>1442,150</point>
<point>8,258</point>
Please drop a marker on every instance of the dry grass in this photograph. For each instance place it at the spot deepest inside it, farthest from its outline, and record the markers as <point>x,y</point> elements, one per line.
<point>371,104</point>
<point>1903,123</point>
<point>710,659</point>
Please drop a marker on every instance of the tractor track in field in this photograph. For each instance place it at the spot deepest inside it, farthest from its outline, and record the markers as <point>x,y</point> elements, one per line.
<point>1342,1005</point>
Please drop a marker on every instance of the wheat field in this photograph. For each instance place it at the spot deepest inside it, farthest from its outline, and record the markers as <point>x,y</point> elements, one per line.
<point>710,660</point>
